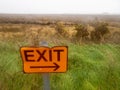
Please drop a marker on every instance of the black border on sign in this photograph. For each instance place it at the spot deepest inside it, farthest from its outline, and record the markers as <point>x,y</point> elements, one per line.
<point>41,47</point>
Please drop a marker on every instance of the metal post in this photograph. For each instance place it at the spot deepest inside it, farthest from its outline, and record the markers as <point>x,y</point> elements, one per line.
<point>46,81</point>
<point>45,76</point>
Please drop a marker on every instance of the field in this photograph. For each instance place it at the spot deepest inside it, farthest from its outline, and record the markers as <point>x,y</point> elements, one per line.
<point>92,65</point>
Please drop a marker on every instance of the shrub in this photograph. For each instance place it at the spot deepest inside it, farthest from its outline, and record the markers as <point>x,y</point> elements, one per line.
<point>60,28</point>
<point>101,30</point>
<point>81,32</point>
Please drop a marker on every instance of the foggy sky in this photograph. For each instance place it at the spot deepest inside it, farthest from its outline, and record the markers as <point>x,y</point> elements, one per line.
<point>60,6</point>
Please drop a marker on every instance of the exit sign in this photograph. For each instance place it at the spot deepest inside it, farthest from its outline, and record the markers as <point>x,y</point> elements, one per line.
<point>44,59</point>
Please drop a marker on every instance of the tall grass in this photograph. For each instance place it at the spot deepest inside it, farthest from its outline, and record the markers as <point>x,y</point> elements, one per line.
<point>90,67</point>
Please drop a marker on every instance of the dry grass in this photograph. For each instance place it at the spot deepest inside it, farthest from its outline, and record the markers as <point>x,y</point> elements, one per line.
<point>31,32</point>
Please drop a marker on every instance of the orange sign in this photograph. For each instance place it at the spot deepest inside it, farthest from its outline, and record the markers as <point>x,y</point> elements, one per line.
<point>44,59</point>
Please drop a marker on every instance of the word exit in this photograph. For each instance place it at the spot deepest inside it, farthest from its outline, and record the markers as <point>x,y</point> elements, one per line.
<point>44,59</point>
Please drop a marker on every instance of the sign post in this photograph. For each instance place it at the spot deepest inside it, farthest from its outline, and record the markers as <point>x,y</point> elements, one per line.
<point>46,77</point>
<point>44,60</point>
<point>46,81</point>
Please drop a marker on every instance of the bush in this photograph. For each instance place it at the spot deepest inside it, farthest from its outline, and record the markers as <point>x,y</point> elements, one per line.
<point>101,30</point>
<point>81,32</point>
<point>60,28</point>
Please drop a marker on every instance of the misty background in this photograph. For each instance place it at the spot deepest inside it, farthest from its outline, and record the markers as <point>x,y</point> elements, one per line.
<point>60,6</point>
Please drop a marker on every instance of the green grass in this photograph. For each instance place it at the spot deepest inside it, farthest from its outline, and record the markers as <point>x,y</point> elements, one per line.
<point>90,67</point>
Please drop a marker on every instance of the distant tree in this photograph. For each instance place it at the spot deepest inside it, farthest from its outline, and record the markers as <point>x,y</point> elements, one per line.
<point>81,32</point>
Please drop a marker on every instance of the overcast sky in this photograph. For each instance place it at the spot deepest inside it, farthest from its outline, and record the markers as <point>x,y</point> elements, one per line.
<point>60,6</point>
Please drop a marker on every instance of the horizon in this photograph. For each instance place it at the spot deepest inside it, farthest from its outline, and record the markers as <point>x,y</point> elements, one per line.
<point>61,13</point>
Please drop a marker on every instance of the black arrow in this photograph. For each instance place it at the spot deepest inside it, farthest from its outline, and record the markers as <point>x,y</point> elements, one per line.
<point>56,66</point>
